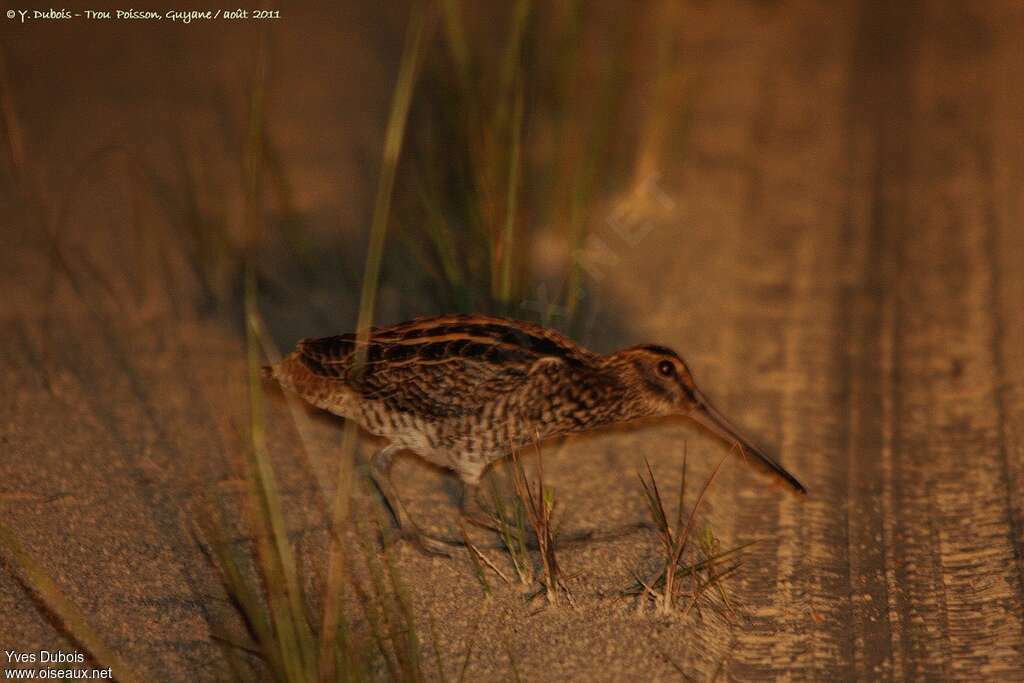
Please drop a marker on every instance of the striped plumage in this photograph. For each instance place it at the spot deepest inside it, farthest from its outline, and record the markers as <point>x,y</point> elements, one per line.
<point>463,390</point>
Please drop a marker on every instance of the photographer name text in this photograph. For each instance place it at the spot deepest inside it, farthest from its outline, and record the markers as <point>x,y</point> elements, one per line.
<point>174,16</point>
<point>24,665</point>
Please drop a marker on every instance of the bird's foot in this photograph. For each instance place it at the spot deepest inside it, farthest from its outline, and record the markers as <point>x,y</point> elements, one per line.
<point>483,520</point>
<point>575,536</point>
<point>614,533</point>
<point>584,535</point>
<point>427,545</point>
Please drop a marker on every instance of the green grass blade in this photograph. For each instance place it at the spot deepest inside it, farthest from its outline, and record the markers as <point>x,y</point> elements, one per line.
<point>394,136</point>
<point>681,541</point>
<point>444,243</point>
<point>241,591</point>
<point>512,58</point>
<point>292,622</point>
<point>373,612</point>
<point>682,496</point>
<point>511,201</point>
<point>478,567</point>
<point>75,623</point>
<point>437,652</point>
<point>290,618</point>
<point>455,33</point>
<point>465,660</point>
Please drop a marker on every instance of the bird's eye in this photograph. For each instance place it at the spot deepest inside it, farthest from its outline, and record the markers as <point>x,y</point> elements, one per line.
<point>666,369</point>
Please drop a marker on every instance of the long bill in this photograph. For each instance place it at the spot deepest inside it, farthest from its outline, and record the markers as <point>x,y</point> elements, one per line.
<point>708,417</point>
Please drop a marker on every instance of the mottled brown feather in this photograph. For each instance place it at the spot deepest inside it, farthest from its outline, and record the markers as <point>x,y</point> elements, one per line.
<point>409,366</point>
<point>464,390</point>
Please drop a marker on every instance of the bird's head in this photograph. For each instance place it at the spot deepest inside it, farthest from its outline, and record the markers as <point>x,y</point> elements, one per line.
<point>660,384</point>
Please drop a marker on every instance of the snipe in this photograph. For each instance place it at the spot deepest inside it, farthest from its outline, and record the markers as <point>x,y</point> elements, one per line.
<point>462,390</point>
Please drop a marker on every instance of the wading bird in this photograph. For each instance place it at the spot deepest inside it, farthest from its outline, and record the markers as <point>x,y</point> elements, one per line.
<point>465,390</point>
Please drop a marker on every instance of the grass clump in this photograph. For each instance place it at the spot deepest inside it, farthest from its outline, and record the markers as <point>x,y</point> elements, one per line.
<point>262,580</point>
<point>515,140</point>
<point>538,502</point>
<point>524,519</point>
<point>704,569</point>
<point>509,518</point>
<point>281,630</point>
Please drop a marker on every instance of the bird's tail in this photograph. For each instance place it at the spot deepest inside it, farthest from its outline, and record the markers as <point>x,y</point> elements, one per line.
<point>289,372</point>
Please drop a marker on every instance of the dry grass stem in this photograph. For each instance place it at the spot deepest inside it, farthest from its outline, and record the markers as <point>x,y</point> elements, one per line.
<point>539,504</point>
<point>703,573</point>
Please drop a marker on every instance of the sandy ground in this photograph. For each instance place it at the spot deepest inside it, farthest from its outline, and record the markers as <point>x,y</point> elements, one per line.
<point>839,262</point>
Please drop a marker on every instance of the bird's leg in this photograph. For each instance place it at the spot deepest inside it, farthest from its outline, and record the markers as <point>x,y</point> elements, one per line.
<point>380,470</point>
<point>473,510</point>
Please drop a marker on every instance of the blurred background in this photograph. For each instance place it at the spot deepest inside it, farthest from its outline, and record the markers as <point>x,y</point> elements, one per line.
<point>816,204</point>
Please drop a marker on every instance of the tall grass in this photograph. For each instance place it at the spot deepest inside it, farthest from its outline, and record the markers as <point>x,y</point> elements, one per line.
<point>281,627</point>
<point>510,144</point>
<point>394,136</point>
<point>513,142</point>
<point>279,622</point>
<point>26,567</point>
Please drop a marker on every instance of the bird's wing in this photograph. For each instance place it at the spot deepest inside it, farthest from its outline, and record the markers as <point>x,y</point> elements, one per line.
<point>440,367</point>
